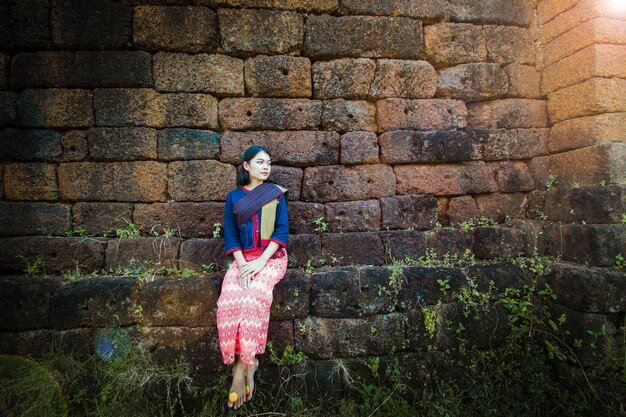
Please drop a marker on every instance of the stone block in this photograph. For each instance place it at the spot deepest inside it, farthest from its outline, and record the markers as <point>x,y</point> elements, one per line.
<point>428,114</point>
<point>524,81</point>
<point>318,6</point>
<point>82,69</point>
<point>500,206</point>
<point>8,108</point>
<point>303,248</point>
<point>36,343</point>
<point>113,181</point>
<point>364,248</point>
<point>509,44</point>
<point>497,12</point>
<point>535,241</point>
<point>144,107</point>
<point>278,76</point>
<point>74,145</point>
<point>58,254</point>
<point>425,10</point>
<point>549,9</point>
<point>592,204</point>
<point>351,292</point>
<point>91,24</point>
<point>600,30</point>
<point>345,116</point>
<point>593,96</point>
<point>158,251</point>
<point>302,216</point>
<point>596,348</point>
<point>339,183</point>
<point>462,208</point>
<point>512,176</point>
<point>188,302</point>
<point>329,37</point>
<point>502,144</point>
<point>586,131</point>
<point>449,240</point>
<point>486,81</point>
<point>297,148</point>
<point>420,286</point>
<point>93,302</point>
<point>409,211</point>
<point>26,24</point>
<point>101,219</point>
<point>359,148</point>
<point>200,180</point>
<point>593,61</point>
<point>509,113</point>
<point>498,242</point>
<point>250,32</point>
<point>445,179</point>
<point>198,347</point>
<point>220,75</point>
<point>603,163</point>
<point>343,78</point>
<point>122,144</point>
<point>581,12</point>
<point>187,144</point>
<point>289,178</point>
<point>5,63</point>
<point>353,216</point>
<point>27,302</point>
<point>55,108</point>
<point>540,170</point>
<point>33,145</point>
<point>31,181</point>
<point>192,220</point>
<point>180,29</point>
<point>406,146</point>
<point>337,337</point>
<point>590,290</point>
<point>270,114</point>
<point>292,296</point>
<point>37,218</point>
<point>449,44</point>
<point>591,244</point>
<point>403,244</point>
<point>199,254</point>
<point>403,79</point>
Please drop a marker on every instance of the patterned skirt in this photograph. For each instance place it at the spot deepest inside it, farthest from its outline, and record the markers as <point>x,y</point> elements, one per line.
<point>243,314</point>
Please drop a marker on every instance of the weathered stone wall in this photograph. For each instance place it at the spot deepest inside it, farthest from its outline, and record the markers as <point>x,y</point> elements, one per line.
<point>382,118</point>
<point>390,122</point>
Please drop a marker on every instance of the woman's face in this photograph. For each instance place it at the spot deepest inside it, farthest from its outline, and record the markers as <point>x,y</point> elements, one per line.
<point>259,167</point>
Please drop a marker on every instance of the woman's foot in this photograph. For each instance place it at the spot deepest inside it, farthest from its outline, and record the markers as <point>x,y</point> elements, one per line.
<point>237,393</point>
<point>250,382</point>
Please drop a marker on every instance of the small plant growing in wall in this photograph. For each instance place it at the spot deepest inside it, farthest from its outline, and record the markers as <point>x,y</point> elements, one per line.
<point>35,268</point>
<point>320,225</point>
<point>217,230</point>
<point>551,182</point>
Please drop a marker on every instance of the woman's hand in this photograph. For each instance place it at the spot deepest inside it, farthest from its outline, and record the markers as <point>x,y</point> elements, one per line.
<point>249,270</point>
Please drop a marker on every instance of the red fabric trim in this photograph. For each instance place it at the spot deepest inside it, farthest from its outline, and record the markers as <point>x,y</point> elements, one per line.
<point>256,227</point>
<point>245,189</point>
<point>278,241</point>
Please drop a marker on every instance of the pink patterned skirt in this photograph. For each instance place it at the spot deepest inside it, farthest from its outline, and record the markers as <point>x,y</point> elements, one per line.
<point>243,314</point>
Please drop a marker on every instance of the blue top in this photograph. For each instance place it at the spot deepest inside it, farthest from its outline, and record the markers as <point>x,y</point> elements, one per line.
<point>247,237</point>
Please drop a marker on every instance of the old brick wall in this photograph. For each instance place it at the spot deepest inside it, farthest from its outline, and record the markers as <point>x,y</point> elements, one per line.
<point>390,122</point>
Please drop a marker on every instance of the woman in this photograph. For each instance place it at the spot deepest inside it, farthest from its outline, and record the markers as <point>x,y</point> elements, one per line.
<point>256,229</point>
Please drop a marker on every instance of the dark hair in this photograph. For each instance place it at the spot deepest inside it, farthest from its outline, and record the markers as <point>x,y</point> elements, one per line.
<point>243,177</point>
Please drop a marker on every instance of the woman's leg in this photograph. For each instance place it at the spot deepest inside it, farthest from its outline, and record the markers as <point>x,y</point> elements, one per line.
<point>238,385</point>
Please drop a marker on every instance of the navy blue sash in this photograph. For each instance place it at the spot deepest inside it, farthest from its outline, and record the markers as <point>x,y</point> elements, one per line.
<point>247,206</point>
